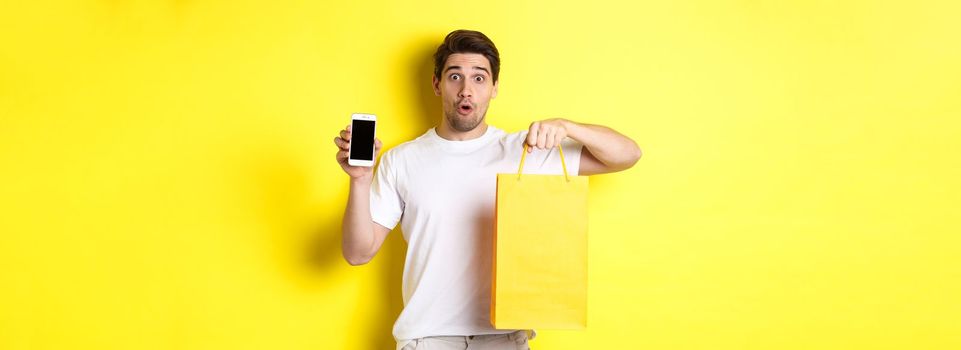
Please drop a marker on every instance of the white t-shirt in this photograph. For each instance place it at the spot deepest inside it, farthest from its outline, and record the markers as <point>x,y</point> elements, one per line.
<point>443,193</point>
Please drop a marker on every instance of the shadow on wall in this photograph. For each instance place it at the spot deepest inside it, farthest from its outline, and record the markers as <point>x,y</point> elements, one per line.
<point>308,247</point>
<point>422,70</point>
<point>305,241</point>
<point>303,244</point>
<point>392,254</point>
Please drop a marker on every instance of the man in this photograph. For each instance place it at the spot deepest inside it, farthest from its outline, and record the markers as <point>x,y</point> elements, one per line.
<point>441,188</point>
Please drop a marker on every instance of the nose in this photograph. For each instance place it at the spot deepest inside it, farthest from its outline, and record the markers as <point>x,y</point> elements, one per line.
<point>465,91</point>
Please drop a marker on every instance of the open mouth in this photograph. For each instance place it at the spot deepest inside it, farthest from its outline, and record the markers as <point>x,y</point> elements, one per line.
<point>465,108</point>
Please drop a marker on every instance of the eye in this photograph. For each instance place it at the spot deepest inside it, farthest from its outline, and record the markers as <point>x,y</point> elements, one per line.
<point>479,78</point>
<point>455,77</point>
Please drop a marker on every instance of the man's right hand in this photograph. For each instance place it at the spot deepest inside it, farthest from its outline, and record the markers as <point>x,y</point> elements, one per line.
<point>343,145</point>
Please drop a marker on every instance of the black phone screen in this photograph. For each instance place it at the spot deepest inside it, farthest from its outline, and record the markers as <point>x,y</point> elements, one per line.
<point>362,140</point>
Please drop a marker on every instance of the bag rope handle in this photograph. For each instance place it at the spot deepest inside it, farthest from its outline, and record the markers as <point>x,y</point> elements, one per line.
<point>520,169</point>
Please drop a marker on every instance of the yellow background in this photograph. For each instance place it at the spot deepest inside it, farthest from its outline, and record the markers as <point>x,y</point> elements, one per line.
<point>168,177</point>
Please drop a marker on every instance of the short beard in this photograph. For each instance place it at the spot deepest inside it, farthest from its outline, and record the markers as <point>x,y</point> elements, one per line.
<point>462,125</point>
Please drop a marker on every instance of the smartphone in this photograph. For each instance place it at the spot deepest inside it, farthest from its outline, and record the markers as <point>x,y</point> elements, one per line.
<point>362,131</point>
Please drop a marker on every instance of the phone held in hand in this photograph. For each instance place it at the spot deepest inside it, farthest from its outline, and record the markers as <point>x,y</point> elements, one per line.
<point>362,131</point>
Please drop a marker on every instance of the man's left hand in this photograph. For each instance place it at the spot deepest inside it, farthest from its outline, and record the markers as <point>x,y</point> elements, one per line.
<point>547,133</point>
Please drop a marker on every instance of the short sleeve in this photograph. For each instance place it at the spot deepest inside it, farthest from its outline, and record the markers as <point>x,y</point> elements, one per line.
<point>386,205</point>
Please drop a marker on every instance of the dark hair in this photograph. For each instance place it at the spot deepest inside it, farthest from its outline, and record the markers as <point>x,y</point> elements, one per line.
<point>467,41</point>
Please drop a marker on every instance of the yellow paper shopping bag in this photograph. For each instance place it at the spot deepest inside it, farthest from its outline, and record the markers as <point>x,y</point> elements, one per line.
<point>540,251</point>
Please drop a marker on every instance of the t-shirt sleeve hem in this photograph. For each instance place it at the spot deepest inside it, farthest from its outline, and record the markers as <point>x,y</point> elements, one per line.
<point>384,221</point>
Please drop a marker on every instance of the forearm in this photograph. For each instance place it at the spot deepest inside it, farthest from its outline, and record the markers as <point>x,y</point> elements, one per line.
<point>358,228</point>
<point>607,145</point>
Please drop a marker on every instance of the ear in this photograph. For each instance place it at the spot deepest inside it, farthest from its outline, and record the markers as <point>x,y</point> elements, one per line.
<point>436,84</point>
<point>494,93</point>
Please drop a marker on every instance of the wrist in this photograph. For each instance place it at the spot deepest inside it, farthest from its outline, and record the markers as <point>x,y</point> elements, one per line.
<point>363,180</point>
<point>571,128</point>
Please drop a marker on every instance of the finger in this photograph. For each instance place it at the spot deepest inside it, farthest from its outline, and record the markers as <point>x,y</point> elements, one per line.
<point>377,144</point>
<point>532,133</point>
<point>551,136</point>
<point>541,139</point>
<point>558,139</point>
<point>341,155</point>
<point>561,136</point>
<point>341,143</point>
<point>345,134</point>
<point>347,128</point>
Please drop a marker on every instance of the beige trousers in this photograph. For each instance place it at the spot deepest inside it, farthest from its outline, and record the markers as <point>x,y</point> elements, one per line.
<point>510,341</point>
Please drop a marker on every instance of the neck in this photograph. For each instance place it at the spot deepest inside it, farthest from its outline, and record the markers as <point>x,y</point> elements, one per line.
<point>446,132</point>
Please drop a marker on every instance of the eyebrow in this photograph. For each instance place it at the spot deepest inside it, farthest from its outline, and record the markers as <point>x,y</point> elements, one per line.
<point>459,67</point>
